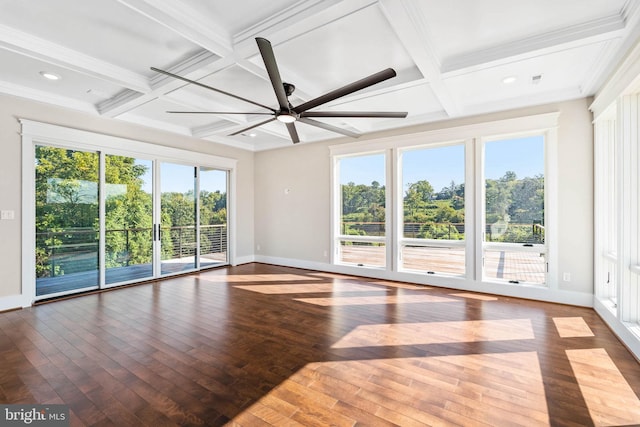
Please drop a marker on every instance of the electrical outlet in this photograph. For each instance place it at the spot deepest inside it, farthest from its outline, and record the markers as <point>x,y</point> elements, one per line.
<point>258,247</point>
<point>566,277</point>
<point>7,215</point>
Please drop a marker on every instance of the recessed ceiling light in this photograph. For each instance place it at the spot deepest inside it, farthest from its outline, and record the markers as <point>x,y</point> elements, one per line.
<point>50,76</point>
<point>253,135</point>
<point>510,79</point>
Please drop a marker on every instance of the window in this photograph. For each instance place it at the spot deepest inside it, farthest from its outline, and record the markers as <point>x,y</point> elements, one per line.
<point>362,222</point>
<point>433,210</point>
<point>467,207</point>
<point>514,205</point>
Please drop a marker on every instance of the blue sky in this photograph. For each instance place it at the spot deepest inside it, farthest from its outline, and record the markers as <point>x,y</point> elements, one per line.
<point>179,178</point>
<point>441,165</point>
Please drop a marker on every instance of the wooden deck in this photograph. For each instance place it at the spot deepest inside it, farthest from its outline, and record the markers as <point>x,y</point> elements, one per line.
<point>259,345</point>
<point>88,279</point>
<point>526,267</point>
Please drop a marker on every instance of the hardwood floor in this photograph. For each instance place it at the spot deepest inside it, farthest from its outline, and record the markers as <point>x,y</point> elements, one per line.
<point>262,345</point>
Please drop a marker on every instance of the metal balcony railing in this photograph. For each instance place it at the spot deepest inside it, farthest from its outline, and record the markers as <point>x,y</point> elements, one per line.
<point>76,250</point>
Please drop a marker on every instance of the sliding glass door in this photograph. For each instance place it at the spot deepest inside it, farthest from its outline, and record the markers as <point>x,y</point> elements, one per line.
<point>178,218</point>
<point>128,219</point>
<point>67,213</point>
<point>213,217</point>
<point>105,220</point>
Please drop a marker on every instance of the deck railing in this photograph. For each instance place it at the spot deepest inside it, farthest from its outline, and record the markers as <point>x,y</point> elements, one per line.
<point>512,232</point>
<point>75,250</point>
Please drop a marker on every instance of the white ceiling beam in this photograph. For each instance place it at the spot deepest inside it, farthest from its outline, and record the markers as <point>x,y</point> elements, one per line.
<point>300,18</point>
<point>187,22</point>
<point>46,97</point>
<point>194,68</point>
<point>574,36</point>
<point>43,50</point>
<point>407,20</point>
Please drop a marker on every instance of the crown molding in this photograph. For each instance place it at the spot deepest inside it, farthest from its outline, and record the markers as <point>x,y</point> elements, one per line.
<point>155,124</point>
<point>623,71</point>
<point>543,98</point>
<point>230,142</point>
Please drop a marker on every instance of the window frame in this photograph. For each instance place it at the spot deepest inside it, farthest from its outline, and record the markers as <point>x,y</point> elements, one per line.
<point>549,185</point>
<point>472,134</point>
<point>402,241</point>
<point>336,218</point>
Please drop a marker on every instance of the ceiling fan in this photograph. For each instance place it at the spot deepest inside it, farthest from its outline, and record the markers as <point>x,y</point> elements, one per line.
<point>288,114</point>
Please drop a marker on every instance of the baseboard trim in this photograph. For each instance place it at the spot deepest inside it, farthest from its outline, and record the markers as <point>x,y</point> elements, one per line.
<point>13,302</point>
<point>244,260</point>
<point>516,291</point>
<point>628,338</point>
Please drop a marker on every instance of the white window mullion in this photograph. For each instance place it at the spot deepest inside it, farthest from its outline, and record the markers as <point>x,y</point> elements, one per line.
<point>102,231</point>
<point>479,214</point>
<point>624,208</point>
<point>391,220</point>
<point>551,203</point>
<point>470,211</point>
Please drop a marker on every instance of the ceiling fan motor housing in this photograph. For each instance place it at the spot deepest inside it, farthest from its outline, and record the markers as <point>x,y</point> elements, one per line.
<point>288,88</point>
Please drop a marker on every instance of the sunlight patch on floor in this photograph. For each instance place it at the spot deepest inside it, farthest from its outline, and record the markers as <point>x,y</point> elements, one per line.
<point>475,296</point>
<point>437,333</point>
<point>310,288</point>
<point>479,389</point>
<point>235,278</point>
<point>372,300</point>
<point>610,399</point>
<point>572,327</point>
<point>402,285</point>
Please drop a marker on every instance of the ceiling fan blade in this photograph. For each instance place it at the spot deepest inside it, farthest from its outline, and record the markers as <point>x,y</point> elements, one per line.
<point>252,126</point>
<point>217,112</point>
<point>293,133</point>
<point>372,114</point>
<point>328,127</point>
<point>210,88</point>
<point>346,90</point>
<point>269,59</point>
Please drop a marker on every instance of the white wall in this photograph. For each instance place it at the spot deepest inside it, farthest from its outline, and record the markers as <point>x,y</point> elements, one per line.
<point>294,229</point>
<point>13,108</point>
<point>293,225</point>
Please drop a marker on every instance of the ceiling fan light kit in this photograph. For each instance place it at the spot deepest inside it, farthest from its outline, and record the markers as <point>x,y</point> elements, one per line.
<point>286,113</point>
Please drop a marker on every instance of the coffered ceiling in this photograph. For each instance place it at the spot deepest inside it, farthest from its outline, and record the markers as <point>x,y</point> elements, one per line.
<point>453,58</point>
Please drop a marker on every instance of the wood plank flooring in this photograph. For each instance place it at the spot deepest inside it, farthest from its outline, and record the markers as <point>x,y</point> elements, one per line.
<point>262,345</point>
